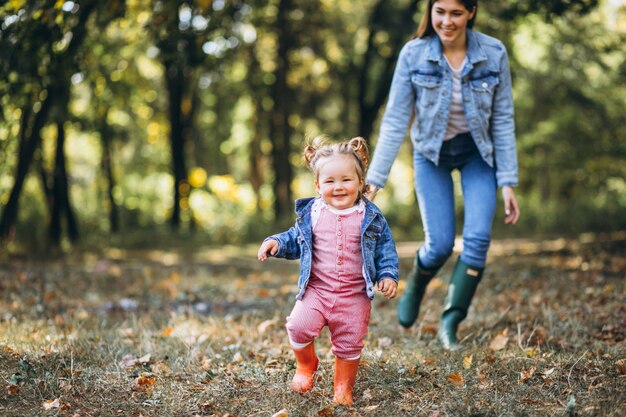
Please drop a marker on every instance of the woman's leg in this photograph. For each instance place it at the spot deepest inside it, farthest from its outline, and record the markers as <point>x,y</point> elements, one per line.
<point>434,189</point>
<point>478,181</point>
<point>479,194</point>
<point>435,195</point>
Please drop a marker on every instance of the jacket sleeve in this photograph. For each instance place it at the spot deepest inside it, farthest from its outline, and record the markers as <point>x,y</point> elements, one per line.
<point>395,122</point>
<point>386,256</point>
<point>288,247</point>
<point>503,127</point>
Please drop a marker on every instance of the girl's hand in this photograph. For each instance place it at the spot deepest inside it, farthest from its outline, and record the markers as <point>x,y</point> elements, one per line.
<point>511,209</point>
<point>371,193</point>
<point>388,287</point>
<point>270,246</point>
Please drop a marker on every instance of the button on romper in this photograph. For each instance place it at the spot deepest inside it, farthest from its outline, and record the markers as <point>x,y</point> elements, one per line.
<point>335,294</point>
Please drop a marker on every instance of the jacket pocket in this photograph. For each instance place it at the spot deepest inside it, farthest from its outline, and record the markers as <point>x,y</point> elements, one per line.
<point>427,85</point>
<point>483,89</point>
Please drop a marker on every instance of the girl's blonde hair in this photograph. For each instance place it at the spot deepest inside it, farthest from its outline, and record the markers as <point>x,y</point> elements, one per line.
<point>320,148</point>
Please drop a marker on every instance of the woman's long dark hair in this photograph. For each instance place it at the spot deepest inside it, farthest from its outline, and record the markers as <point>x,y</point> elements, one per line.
<point>426,29</point>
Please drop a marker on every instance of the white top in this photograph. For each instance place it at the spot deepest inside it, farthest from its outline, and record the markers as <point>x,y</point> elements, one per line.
<point>457,123</point>
<point>319,204</point>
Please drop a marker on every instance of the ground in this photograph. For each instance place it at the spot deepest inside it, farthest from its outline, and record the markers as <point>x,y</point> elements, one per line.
<point>201,332</point>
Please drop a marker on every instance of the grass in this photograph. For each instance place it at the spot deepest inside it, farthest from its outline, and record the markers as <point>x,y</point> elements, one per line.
<point>186,333</point>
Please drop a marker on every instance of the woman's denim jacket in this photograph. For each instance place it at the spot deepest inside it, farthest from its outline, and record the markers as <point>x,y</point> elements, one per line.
<point>380,259</point>
<point>422,83</point>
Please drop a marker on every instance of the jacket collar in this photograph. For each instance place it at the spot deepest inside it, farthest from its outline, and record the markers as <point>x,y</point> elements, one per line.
<point>475,52</point>
<point>305,204</point>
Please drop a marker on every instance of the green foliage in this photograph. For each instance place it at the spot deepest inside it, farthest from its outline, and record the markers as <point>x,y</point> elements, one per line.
<point>567,63</point>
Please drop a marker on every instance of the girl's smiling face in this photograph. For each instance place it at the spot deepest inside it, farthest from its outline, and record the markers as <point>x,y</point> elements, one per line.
<point>449,19</point>
<point>338,181</point>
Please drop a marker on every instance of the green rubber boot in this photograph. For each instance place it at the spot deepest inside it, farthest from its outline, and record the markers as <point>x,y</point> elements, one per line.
<point>463,283</point>
<point>409,305</point>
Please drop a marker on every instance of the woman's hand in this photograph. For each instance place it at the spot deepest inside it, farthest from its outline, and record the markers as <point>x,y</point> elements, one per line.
<point>511,209</point>
<point>388,287</point>
<point>371,192</point>
<point>270,246</point>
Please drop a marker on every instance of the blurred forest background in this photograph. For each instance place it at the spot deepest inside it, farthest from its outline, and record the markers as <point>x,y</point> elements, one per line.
<point>134,121</point>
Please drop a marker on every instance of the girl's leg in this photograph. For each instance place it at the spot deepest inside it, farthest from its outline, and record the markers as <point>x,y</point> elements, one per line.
<point>348,327</point>
<point>306,320</point>
<point>303,325</point>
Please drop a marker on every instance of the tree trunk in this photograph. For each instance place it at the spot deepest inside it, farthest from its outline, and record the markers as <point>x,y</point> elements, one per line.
<point>61,200</point>
<point>373,88</point>
<point>175,84</point>
<point>280,131</point>
<point>107,168</point>
<point>30,138</point>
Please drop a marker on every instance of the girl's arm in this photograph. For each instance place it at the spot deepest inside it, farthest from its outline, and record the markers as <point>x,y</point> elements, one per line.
<point>386,256</point>
<point>287,245</point>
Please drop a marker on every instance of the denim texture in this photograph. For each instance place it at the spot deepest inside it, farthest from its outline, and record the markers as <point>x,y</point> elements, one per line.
<point>380,259</point>
<point>422,87</point>
<point>435,194</point>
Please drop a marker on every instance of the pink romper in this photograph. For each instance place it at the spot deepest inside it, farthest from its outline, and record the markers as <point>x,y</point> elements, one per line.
<point>335,294</point>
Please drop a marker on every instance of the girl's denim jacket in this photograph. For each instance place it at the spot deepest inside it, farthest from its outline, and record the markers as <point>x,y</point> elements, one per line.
<point>380,259</point>
<point>422,84</point>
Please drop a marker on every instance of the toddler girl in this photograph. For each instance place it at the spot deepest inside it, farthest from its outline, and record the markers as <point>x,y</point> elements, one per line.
<point>345,248</point>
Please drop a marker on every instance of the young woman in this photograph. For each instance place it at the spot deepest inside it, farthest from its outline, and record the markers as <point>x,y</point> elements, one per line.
<point>345,249</point>
<point>455,86</point>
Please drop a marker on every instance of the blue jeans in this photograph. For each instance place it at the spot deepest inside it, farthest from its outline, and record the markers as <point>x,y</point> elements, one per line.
<point>435,196</point>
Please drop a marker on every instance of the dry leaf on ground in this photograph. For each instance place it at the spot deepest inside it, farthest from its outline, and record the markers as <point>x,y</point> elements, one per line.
<point>145,382</point>
<point>455,379</point>
<point>499,342</point>
<point>527,374</point>
<point>52,404</point>
<point>262,328</point>
<point>467,361</point>
<point>282,413</point>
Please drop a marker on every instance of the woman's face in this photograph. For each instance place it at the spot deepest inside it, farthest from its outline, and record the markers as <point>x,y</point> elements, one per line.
<point>449,19</point>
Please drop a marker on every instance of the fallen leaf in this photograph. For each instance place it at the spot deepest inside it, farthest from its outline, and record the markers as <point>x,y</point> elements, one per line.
<point>145,358</point>
<point>527,374</point>
<point>262,328</point>
<point>282,413</point>
<point>621,366</point>
<point>499,342</point>
<point>326,411</point>
<point>51,404</point>
<point>127,332</point>
<point>128,361</point>
<point>167,332</point>
<point>13,389</point>
<point>145,382</point>
<point>429,329</point>
<point>429,361</point>
<point>384,341</point>
<point>548,372</point>
<point>455,379</point>
<point>367,394</point>
<point>371,407</point>
<point>467,361</point>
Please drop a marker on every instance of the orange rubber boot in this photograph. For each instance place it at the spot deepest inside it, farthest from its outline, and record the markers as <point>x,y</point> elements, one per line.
<point>345,375</point>
<point>306,365</point>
